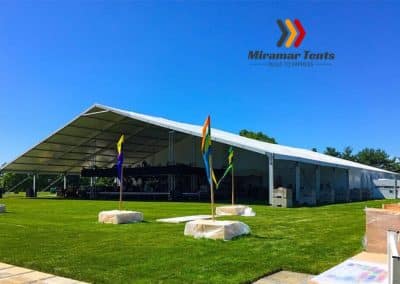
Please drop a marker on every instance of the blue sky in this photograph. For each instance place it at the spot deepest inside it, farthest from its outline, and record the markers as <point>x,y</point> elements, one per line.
<point>183,60</point>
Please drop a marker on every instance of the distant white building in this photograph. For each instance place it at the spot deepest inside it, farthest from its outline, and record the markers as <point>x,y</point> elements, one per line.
<point>385,188</point>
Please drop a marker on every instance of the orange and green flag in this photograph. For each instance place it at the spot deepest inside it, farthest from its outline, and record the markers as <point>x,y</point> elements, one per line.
<point>230,165</point>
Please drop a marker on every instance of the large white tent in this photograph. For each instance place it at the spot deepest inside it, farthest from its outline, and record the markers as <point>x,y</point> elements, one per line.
<point>89,139</point>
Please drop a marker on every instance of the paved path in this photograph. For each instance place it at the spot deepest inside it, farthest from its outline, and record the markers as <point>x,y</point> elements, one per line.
<point>366,266</point>
<point>11,274</point>
<point>285,277</point>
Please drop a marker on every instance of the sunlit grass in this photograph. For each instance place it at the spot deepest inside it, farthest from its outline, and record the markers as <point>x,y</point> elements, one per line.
<point>63,237</point>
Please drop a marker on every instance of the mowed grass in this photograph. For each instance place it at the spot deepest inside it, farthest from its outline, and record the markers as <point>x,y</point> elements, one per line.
<point>64,238</point>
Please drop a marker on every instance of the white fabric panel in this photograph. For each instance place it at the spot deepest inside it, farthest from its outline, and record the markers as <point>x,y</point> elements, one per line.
<point>280,151</point>
<point>184,219</point>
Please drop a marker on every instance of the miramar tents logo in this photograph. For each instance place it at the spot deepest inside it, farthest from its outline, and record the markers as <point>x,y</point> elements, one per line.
<point>292,34</point>
<point>296,32</point>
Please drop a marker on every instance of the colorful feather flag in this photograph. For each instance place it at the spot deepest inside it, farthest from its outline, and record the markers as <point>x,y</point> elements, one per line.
<point>230,165</point>
<point>206,150</point>
<point>120,157</point>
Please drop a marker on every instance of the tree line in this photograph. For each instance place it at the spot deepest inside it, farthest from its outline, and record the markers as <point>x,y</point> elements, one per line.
<point>369,156</point>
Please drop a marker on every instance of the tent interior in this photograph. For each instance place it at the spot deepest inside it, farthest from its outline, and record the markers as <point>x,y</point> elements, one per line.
<point>158,162</point>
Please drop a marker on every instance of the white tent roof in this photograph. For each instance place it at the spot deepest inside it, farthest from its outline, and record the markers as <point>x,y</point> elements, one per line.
<point>94,132</point>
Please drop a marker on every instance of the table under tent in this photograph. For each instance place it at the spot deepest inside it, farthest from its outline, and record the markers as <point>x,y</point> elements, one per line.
<point>143,181</point>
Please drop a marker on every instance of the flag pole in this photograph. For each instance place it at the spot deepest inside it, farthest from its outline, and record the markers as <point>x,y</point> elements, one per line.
<point>212,189</point>
<point>233,187</point>
<point>121,184</point>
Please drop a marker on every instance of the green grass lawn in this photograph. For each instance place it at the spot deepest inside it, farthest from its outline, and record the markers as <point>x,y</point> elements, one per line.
<point>64,238</point>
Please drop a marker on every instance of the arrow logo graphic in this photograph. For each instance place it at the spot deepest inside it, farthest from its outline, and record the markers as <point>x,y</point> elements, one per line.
<point>293,33</point>
<point>295,30</point>
<point>284,33</point>
<point>301,31</point>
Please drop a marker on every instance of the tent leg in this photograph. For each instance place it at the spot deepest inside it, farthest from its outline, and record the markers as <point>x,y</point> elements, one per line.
<point>270,177</point>
<point>34,185</point>
<point>347,185</point>
<point>171,161</point>
<point>298,181</point>
<point>317,183</point>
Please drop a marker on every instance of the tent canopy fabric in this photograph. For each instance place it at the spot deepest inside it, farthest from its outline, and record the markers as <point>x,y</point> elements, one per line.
<point>91,137</point>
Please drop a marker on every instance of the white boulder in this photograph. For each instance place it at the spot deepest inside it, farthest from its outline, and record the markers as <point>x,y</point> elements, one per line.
<point>216,230</point>
<point>120,217</point>
<point>235,210</point>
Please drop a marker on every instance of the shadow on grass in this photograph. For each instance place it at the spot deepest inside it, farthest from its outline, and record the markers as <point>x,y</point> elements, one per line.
<point>261,237</point>
<point>7,212</point>
<point>125,224</point>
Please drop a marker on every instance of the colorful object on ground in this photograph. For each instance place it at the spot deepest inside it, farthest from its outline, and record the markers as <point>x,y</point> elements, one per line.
<point>120,157</point>
<point>206,150</point>
<point>354,271</point>
<point>230,166</point>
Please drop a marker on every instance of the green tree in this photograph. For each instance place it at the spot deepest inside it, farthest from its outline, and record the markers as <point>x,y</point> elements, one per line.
<point>331,151</point>
<point>373,157</point>
<point>396,165</point>
<point>8,180</point>
<point>257,136</point>
<point>377,158</point>
<point>347,154</point>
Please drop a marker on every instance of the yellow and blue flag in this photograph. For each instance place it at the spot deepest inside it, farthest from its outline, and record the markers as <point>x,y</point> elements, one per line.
<point>120,156</point>
<point>206,150</point>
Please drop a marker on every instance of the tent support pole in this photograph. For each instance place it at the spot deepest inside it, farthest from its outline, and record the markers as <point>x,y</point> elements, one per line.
<point>348,185</point>
<point>317,183</point>
<point>270,177</point>
<point>34,185</point>
<point>298,181</point>
<point>171,161</point>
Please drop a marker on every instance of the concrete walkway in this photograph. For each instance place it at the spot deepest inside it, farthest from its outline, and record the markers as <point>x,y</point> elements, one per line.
<point>11,274</point>
<point>365,267</point>
<point>285,277</point>
<point>371,271</point>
